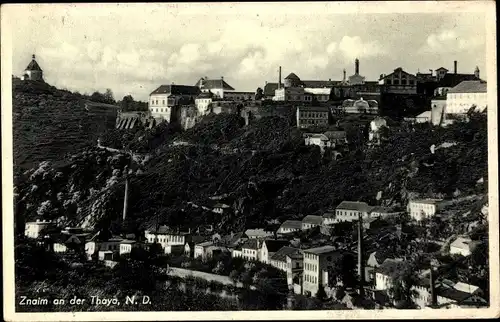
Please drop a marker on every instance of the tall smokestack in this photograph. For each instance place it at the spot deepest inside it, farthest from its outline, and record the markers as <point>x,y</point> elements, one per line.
<point>279,78</point>
<point>356,66</point>
<point>344,79</point>
<point>361,266</point>
<point>125,198</point>
<point>455,66</point>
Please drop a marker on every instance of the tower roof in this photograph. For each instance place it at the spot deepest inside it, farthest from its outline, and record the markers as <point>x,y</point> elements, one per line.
<point>292,76</point>
<point>33,65</point>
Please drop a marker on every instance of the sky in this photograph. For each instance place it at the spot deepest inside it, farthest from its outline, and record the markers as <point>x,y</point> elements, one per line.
<point>134,48</point>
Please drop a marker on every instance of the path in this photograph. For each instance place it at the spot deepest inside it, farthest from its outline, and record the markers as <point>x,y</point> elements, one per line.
<point>183,273</point>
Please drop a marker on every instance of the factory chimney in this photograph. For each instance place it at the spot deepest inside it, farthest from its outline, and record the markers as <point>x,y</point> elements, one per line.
<point>432,281</point>
<point>344,79</point>
<point>361,266</point>
<point>455,66</point>
<point>279,78</point>
<point>356,66</point>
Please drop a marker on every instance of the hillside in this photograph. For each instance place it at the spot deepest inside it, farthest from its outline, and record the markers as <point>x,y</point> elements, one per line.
<point>270,175</point>
<point>49,123</point>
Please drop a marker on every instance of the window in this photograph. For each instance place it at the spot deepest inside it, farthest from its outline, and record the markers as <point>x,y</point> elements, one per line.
<point>388,82</point>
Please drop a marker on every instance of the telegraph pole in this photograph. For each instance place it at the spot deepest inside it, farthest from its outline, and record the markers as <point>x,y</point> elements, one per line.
<point>125,198</point>
<point>360,257</point>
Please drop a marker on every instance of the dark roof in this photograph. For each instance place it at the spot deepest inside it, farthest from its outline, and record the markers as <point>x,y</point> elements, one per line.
<point>470,87</point>
<point>205,95</point>
<point>284,251</point>
<point>250,244</point>
<point>270,88</point>
<point>213,83</point>
<point>354,205</point>
<point>33,65</point>
<point>275,245</point>
<point>318,83</point>
<point>452,294</point>
<point>389,267</point>
<point>442,68</point>
<point>292,224</point>
<point>336,135</point>
<point>228,240</point>
<point>177,89</point>
<point>292,76</point>
<point>315,108</point>
<point>452,80</point>
<point>312,219</point>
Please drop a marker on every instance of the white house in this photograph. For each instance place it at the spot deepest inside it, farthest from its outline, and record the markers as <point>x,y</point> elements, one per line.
<point>203,102</point>
<point>201,250</point>
<point>424,208</point>
<point>289,260</point>
<point>385,272</point>
<point>424,117</point>
<point>33,228</point>
<point>311,221</point>
<point>218,87</point>
<point>289,226</point>
<point>126,246</point>
<point>269,247</point>
<point>251,249</point>
<point>350,211</point>
<point>166,237</point>
<point>163,99</point>
<point>463,246</point>
<point>462,97</point>
<point>92,247</point>
<point>317,261</point>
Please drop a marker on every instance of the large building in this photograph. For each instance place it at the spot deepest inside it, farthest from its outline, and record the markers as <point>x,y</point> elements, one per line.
<point>218,87</point>
<point>424,208</point>
<point>461,98</point>
<point>317,261</point>
<point>310,116</point>
<point>33,71</point>
<point>166,97</point>
<point>398,82</point>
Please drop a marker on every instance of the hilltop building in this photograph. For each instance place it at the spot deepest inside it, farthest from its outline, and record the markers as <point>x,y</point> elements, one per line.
<point>218,87</point>
<point>166,97</point>
<point>33,72</point>
<point>398,82</point>
<point>461,98</point>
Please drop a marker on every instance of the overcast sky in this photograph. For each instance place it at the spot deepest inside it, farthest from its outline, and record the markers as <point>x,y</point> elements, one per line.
<point>133,49</point>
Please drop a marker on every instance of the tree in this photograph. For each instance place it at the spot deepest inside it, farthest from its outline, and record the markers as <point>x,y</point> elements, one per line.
<point>108,96</point>
<point>127,103</point>
<point>404,279</point>
<point>259,94</point>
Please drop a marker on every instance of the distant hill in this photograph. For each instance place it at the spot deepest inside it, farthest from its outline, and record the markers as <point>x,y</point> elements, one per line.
<point>49,123</point>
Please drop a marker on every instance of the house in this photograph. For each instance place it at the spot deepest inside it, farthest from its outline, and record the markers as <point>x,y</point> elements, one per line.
<point>291,94</point>
<point>220,208</point>
<point>34,228</point>
<point>166,97</point>
<point>317,261</point>
<point>424,117</point>
<point>311,221</point>
<point>384,274</point>
<point>318,139</point>
<point>64,243</point>
<point>175,249</point>
<point>190,245</point>
<point>289,260</point>
<point>329,217</point>
<point>398,82</point>
<point>269,247</point>
<point>463,246</point>
<point>107,255</point>
<point>309,116</point>
<point>424,208</point>
<point>289,226</point>
<point>258,233</point>
<point>166,236</point>
<point>250,250</point>
<point>336,138</point>
<point>461,98</point>
<point>94,246</point>
<point>33,71</point>
<point>350,210</point>
<point>453,297</point>
<point>269,90</point>
<point>201,250</point>
<point>232,240</point>
<point>203,102</point>
<point>446,81</point>
<point>218,87</point>
<point>320,95</point>
<point>126,246</point>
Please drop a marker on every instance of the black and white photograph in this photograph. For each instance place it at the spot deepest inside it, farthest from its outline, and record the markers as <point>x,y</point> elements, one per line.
<point>176,161</point>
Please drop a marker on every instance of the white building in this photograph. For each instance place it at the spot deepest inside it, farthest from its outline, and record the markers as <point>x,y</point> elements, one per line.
<point>463,246</point>
<point>424,117</point>
<point>311,221</point>
<point>126,246</point>
<point>316,263</point>
<point>424,208</point>
<point>289,260</point>
<point>33,71</point>
<point>218,87</point>
<point>258,233</point>
<point>269,248</point>
<point>165,237</point>
<point>289,226</point>
<point>33,228</point>
<point>92,247</point>
<point>250,249</point>
<point>465,95</point>
<point>375,126</point>
<point>163,99</point>
<point>203,103</point>
<point>350,211</point>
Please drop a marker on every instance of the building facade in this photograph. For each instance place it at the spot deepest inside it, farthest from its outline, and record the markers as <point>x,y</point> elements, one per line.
<point>166,97</point>
<point>218,87</point>
<point>317,261</point>
<point>351,210</point>
<point>309,116</point>
<point>33,228</point>
<point>465,95</point>
<point>398,82</point>
<point>423,208</point>
<point>33,72</point>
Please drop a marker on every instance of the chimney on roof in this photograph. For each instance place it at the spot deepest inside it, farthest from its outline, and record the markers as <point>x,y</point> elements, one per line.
<point>455,66</point>
<point>279,78</point>
<point>356,66</point>
<point>344,78</point>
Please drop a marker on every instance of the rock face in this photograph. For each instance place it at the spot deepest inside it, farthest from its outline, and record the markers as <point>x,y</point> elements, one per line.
<point>48,123</point>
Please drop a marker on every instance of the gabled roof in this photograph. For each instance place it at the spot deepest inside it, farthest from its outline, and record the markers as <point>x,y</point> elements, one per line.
<point>250,244</point>
<point>213,83</point>
<point>176,90</point>
<point>470,87</point>
<point>464,287</point>
<point>441,68</point>
<point>451,80</point>
<point>452,294</point>
<point>354,205</point>
<point>270,88</point>
<point>321,250</point>
<point>258,232</point>
<point>464,243</point>
<point>335,135</point>
<point>33,65</point>
<point>275,245</point>
<point>312,219</point>
<point>294,224</point>
<point>283,252</point>
<point>292,76</point>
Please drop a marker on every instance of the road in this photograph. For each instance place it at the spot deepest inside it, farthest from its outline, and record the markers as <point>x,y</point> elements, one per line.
<point>183,273</point>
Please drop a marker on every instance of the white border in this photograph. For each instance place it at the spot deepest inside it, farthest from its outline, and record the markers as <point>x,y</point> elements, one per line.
<point>314,8</point>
